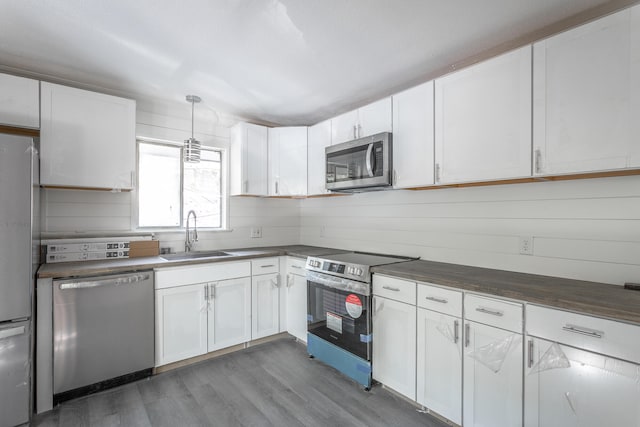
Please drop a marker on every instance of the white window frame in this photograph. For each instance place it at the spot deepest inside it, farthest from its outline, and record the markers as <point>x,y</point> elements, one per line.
<point>224,190</point>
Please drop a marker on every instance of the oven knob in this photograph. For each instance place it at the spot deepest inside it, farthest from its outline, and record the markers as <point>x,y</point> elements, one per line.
<point>359,271</point>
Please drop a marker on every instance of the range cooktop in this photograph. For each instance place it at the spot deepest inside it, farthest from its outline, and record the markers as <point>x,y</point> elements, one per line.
<point>352,265</point>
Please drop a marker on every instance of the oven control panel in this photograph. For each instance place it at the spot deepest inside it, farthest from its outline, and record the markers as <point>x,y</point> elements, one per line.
<point>347,270</point>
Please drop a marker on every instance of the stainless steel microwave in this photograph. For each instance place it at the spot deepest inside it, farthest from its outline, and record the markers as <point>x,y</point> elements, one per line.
<point>363,164</point>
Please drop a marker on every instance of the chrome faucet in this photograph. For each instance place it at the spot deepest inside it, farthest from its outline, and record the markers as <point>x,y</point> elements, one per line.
<point>191,235</point>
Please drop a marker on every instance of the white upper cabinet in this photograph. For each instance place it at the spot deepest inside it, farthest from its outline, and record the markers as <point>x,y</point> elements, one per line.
<point>413,137</point>
<point>319,138</point>
<point>19,101</point>
<point>87,139</point>
<point>248,160</point>
<point>288,161</point>
<point>483,120</point>
<point>586,93</point>
<point>368,120</point>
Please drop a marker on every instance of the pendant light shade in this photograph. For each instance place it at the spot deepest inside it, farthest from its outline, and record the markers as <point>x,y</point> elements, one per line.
<point>192,146</point>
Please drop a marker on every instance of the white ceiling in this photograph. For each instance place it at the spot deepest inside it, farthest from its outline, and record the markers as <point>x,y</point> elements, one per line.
<point>285,62</point>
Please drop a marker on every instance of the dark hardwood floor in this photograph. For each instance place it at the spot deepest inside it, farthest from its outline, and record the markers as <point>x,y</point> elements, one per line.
<point>271,384</point>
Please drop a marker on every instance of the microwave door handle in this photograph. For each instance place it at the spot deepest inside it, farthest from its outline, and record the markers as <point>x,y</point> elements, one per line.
<point>370,165</point>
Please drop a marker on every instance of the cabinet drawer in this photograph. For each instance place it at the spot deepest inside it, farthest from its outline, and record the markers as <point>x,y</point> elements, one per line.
<point>603,336</point>
<point>180,276</point>
<point>493,312</point>
<point>264,266</point>
<point>296,266</point>
<point>438,299</point>
<point>396,289</point>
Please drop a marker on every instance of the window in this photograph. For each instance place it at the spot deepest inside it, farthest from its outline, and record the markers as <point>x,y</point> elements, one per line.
<point>168,188</point>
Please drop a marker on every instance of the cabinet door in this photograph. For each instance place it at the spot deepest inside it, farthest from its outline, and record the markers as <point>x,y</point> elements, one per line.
<point>87,139</point>
<point>492,377</point>
<point>587,97</point>
<point>264,305</point>
<point>483,120</point>
<point>292,154</point>
<point>413,137</point>
<point>375,118</point>
<point>319,138</point>
<point>248,160</point>
<point>297,306</point>
<point>181,323</point>
<point>394,345</point>
<point>344,127</point>
<point>439,364</point>
<point>569,387</point>
<point>19,101</point>
<point>229,320</point>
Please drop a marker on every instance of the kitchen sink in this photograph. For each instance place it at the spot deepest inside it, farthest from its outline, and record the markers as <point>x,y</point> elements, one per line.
<point>195,255</point>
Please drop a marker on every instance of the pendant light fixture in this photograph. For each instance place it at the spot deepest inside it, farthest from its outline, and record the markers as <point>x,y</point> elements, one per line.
<point>192,145</point>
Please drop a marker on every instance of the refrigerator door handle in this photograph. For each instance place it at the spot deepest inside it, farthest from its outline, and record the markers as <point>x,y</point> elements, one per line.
<point>11,332</point>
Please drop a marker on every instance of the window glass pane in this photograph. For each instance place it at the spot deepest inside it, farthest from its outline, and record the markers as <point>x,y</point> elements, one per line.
<point>158,186</point>
<point>202,189</point>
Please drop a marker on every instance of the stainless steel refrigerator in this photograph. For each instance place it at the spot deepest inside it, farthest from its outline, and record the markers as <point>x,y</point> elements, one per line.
<point>19,247</point>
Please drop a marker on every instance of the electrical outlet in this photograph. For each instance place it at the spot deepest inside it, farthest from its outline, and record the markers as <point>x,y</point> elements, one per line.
<point>526,245</point>
<point>256,232</point>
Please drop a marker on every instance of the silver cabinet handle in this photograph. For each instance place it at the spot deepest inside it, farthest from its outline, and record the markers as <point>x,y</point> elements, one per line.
<point>530,352</point>
<point>583,331</point>
<point>440,300</point>
<point>267,266</point>
<point>489,311</point>
<point>107,282</point>
<point>368,160</point>
<point>456,332</point>
<point>11,332</point>
<point>296,266</point>
<point>389,288</point>
<point>538,161</point>
<point>206,292</point>
<point>276,281</point>
<point>212,290</point>
<point>276,187</point>
<point>467,332</point>
<point>355,131</point>
<point>437,173</point>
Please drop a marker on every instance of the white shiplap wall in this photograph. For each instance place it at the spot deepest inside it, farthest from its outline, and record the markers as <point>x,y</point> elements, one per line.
<point>584,229</point>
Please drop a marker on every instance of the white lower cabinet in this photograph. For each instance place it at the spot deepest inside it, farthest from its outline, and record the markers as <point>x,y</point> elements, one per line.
<point>394,345</point>
<point>492,376</point>
<point>439,364</point>
<point>265,299</point>
<point>229,313</point>
<point>570,387</point>
<point>296,289</point>
<point>181,323</point>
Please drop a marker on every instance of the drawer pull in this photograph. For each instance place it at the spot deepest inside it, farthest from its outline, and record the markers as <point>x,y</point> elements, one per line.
<point>267,266</point>
<point>530,352</point>
<point>440,300</point>
<point>491,312</point>
<point>296,266</point>
<point>583,331</point>
<point>389,288</point>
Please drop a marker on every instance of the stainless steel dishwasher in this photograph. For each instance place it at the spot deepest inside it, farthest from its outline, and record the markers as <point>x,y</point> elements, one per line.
<point>103,332</point>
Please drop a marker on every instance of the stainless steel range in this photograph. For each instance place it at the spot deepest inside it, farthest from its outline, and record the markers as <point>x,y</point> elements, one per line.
<point>339,311</point>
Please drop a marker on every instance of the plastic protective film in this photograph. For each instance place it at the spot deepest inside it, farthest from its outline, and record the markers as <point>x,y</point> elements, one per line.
<point>553,358</point>
<point>339,283</point>
<point>494,354</point>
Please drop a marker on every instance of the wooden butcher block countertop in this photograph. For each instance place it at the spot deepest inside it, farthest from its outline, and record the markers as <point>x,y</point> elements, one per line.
<point>597,299</point>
